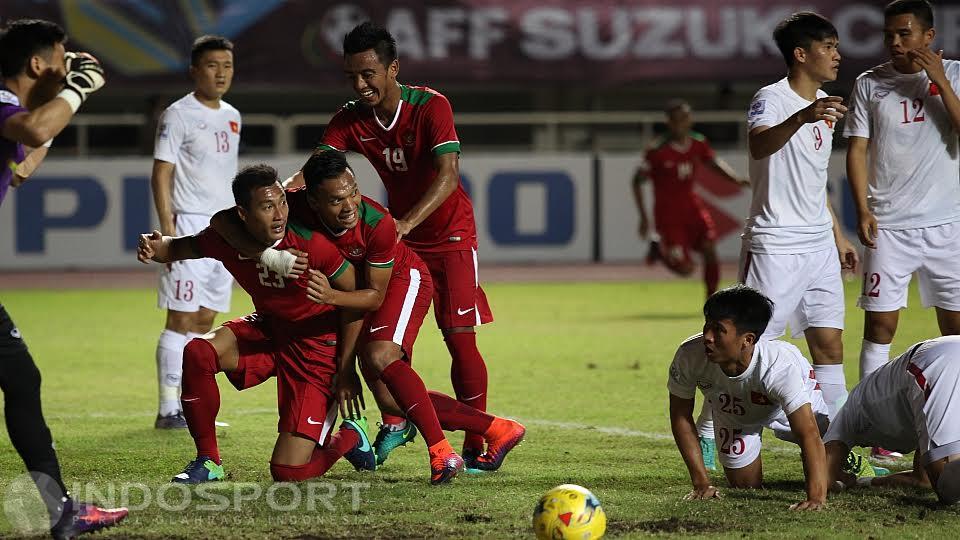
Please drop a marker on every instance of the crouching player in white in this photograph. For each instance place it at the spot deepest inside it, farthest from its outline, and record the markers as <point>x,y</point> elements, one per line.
<point>909,404</point>
<point>751,385</point>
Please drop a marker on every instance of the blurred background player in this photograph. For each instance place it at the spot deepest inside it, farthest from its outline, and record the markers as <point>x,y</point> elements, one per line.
<point>907,195</point>
<point>753,384</point>
<point>909,404</point>
<point>288,336</point>
<point>682,221</point>
<point>195,157</point>
<point>793,246</point>
<point>42,88</point>
<point>408,135</point>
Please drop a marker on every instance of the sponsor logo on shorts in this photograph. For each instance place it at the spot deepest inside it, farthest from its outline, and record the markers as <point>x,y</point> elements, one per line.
<point>311,421</point>
<point>372,330</point>
<point>461,311</point>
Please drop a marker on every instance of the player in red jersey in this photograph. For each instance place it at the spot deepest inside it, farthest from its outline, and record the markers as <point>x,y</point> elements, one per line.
<point>288,336</point>
<point>397,295</point>
<point>407,133</point>
<point>682,220</point>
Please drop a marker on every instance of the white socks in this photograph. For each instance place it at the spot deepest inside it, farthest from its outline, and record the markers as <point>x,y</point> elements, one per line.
<point>872,357</point>
<point>169,370</point>
<point>833,384</point>
<point>705,421</point>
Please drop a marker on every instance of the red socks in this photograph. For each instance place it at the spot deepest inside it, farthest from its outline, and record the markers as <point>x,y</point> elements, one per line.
<point>711,276</point>
<point>323,458</point>
<point>200,397</point>
<point>468,373</point>
<point>455,416</point>
<point>411,395</point>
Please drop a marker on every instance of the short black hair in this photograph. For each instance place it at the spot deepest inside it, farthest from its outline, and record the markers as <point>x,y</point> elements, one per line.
<point>249,179</point>
<point>800,30</point>
<point>366,36</point>
<point>324,165</point>
<point>921,9</point>
<point>676,105</point>
<point>746,307</point>
<point>21,39</point>
<point>208,43</point>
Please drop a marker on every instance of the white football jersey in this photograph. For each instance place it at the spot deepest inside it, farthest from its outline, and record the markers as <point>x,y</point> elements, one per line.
<point>907,403</point>
<point>914,167</point>
<point>778,379</point>
<point>789,210</point>
<point>202,144</point>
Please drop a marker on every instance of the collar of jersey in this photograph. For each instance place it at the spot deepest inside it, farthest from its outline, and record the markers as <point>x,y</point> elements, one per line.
<point>396,116</point>
<point>751,366</point>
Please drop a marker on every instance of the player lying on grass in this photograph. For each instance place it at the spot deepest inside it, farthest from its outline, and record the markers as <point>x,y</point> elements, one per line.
<point>288,336</point>
<point>752,385</point>
<point>396,291</point>
<point>909,404</point>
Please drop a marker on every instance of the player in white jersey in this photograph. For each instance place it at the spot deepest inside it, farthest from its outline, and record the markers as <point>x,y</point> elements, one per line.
<point>751,384</point>
<point>195,159</point>
<point>909,404</point>
<point>905,114</point>
<point>793,247</point>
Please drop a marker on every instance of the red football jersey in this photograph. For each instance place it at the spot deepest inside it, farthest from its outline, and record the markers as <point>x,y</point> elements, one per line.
<point>373,241</point>
<point>672,170</point>
<point>275,295</point>
<point>403,154</point>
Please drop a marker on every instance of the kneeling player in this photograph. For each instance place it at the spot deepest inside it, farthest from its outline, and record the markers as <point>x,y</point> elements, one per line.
<point>911,403</point>
<point>751,385</point>
<point>288,336</point>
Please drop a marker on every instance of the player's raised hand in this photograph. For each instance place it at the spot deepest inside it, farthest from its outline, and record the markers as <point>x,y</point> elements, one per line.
<point>319,289</point>
<point>290,263</point>
<point>867,230</point>
<point>349,394</point>
<point>702,493</point>
<point>808,505</point>
<point>147,247</point>
<point>830,108</point>
<point>84,77</point>
<point>300,264</point>
<point>931,62</point>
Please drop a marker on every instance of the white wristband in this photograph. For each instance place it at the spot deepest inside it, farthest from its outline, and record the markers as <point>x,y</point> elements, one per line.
<point>71,98</point>
<point>279,261</point>
<point>48,144</point>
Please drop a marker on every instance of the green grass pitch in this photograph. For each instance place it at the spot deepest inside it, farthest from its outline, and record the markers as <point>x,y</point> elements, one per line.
<point>582,365</point>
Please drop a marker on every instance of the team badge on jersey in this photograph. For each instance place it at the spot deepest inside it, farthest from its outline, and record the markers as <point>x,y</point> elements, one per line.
<point>408,138</point>
<point>758,107</point>
<point>356,251</point>
<point>234,126</point>
<point>934,89</point>
<point>164,130</point>
<point>759,399</point>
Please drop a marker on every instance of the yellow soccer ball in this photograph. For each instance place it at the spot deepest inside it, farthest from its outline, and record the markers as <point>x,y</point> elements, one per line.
<point>569,512</point>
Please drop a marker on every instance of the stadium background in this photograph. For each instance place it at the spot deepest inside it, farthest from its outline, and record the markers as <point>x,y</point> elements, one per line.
<point>554,104</point>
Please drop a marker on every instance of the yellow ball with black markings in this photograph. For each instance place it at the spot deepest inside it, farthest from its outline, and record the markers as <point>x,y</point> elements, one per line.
<point>569,512</point>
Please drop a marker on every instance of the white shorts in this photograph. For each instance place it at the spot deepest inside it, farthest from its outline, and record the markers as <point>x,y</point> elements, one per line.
<point>932,252</point>
<point>189,285</point>
<point>806,288</point>
<point>739,445</point>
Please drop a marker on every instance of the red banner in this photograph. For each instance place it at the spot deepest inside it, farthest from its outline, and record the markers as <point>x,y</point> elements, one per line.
<point>598,42</point>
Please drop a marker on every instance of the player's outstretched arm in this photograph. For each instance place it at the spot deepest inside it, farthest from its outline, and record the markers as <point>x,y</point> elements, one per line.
<point>765,141</point>
<point>165,249</point>
<point>805,429</point>
<point>724,169</point>
<point>685,434</point>
<point>639,178</point>
<point>857,178</point>
<point>444,184</point>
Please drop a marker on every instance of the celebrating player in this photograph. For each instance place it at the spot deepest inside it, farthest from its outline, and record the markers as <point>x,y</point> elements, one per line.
<point>194,156</point>
<point>288,336</point>
<point>906,114</point>
<point>42,88</point>
<point>682,221</point>
<point>908,404</point>
<point>793,247</point>
<point>752,384</point>
<point>407,134</point>
<point>397,295</point>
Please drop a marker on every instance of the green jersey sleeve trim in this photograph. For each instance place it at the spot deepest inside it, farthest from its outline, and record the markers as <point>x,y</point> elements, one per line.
<point>446,148</point>
<point>328,147</point>
<point>388,264</point>
<point>300,230</point>
<point>340,271</point>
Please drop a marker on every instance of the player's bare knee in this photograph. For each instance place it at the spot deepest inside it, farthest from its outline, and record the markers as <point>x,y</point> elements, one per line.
<point>880,327</point>
<point>380,354</point>
<point>180,322</point>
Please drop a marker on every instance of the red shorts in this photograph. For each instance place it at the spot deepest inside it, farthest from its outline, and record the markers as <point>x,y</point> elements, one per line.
<point>404,306</point>
<point>687,231</point>
<point>304,367</point>
<point>458,299</point>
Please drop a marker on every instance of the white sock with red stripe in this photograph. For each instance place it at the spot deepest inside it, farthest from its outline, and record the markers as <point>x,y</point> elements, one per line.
<point>873,356</point>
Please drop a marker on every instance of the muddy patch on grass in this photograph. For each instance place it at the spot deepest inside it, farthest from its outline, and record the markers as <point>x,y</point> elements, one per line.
<point>665,526</point>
